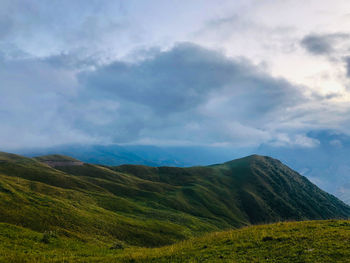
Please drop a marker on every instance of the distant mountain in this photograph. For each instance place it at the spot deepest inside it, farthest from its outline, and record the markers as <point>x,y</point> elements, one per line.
<point>153,206</point>
<point>326,164</point>
<point>142,154</point>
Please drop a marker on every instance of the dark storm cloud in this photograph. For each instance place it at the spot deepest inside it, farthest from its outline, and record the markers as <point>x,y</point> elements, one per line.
<point>188,76</point>
<point>317,44</point>
<point>185,94</point>
<point>322,44</point>
<point>334,47</point>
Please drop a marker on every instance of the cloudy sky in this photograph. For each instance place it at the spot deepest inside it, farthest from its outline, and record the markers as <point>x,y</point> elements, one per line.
<point>221,73</point>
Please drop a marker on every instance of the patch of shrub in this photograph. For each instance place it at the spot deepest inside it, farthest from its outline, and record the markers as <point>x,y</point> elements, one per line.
<point>267,238</point>
<point>117,245</point>
<point>48,236</point>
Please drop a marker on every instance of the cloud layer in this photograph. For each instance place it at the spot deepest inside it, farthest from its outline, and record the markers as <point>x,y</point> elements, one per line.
<point>187,95</point>
<point>133,73</point>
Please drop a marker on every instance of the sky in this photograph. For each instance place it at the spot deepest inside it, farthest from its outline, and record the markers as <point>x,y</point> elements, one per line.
<point>173,73</point>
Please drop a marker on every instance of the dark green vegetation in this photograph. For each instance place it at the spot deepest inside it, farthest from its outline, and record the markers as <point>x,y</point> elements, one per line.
<point>86,209</point>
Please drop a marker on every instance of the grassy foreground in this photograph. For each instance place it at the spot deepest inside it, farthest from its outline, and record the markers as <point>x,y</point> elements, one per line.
<point>309,241</point>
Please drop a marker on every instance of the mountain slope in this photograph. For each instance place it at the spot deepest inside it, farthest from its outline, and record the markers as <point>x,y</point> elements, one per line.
<point>326,165</point>
<point>147,206</point>
<point>307,241</point>
<point>280,190</point>
<point>262,189</point>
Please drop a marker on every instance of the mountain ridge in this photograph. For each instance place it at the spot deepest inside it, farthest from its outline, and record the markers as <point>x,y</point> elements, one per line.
<point>155,206</point>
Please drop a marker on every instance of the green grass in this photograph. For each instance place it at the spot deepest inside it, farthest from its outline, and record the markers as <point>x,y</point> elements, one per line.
<point>309,241</point>
<point>316,241</point>
<point>76,213</point>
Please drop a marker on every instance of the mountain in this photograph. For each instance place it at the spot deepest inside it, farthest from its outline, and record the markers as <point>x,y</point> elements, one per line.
<point>53,204</point>
<point>141,154</point>
<point>154,206</point>
<point>325,164</point>
<point>260,189</point>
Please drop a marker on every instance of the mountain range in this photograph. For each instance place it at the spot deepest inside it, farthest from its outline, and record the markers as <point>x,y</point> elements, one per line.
<point>325,164</point>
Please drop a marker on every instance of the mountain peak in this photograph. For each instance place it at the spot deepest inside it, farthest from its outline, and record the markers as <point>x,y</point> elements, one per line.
<point>252,159</point>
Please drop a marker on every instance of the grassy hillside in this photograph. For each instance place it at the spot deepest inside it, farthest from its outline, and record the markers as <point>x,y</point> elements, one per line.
<point>51,202</point>
<point>308,241</point>
<point>254,189</point>
<point>146,206</point>
<point>73,206</point>
<point>313,241</point>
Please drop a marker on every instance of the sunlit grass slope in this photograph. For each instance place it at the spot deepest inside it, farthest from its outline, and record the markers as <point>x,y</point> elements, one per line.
<point>308,241</point>
<point>74,207</point>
